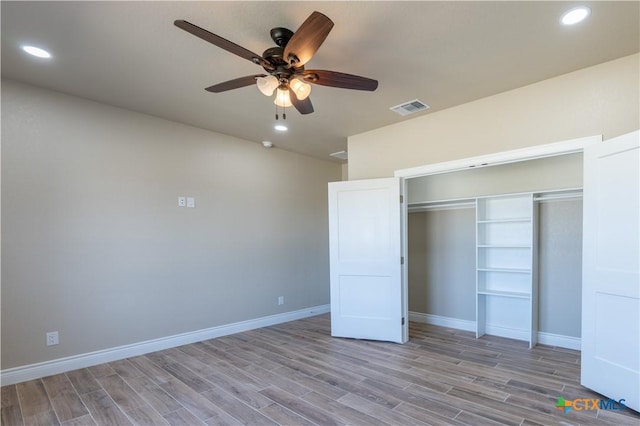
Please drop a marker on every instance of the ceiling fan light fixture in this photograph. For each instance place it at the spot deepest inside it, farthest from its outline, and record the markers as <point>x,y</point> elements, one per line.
<point>300,88</point>
<point>267,84</point>
<point>282,98</point>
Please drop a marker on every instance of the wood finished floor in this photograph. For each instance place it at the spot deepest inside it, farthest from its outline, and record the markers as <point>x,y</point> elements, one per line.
<point>296,374</point>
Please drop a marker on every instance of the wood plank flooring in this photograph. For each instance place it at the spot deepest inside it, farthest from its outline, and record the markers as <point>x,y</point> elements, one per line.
<point>296,374</point>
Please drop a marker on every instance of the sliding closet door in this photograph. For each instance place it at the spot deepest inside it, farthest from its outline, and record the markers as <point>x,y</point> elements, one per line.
<point>611,270</point>
<point>367,291</point>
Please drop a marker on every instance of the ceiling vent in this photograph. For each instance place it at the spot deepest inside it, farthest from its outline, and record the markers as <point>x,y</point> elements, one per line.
<point>343,155</point>
<point>410,107</point>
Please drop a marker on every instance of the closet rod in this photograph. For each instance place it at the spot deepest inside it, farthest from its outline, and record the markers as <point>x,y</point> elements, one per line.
<point>442,205</point>
<point>552,197</point>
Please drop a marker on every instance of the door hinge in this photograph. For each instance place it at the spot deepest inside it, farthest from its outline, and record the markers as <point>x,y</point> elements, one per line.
<point>402,321</point>
<point>401,199</point>
<point>402,260</point>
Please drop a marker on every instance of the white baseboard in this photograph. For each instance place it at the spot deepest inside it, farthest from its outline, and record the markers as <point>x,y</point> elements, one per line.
<point>559,340</point>
<point>34,371</point>
<point>458,324</point>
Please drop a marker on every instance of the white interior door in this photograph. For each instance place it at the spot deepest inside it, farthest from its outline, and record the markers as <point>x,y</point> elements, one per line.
<point>367,291</point>
<point>611,265</point>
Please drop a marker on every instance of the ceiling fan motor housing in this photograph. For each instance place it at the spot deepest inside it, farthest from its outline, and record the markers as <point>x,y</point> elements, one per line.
<point>280,68</point>
<point>274,55</point>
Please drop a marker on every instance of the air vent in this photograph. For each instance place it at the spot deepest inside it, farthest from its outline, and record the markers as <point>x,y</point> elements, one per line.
<point>343,155</point>
<point>410,107</point>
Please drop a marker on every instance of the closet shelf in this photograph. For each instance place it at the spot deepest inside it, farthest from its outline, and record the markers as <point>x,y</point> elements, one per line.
<point>507,270</point>
<point>506,296</point>
<point>512,294</point>
<point>506,220</point>
<point>523,246</point>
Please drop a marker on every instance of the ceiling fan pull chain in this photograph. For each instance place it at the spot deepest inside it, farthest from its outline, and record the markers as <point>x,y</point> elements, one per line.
<point>284,114</point>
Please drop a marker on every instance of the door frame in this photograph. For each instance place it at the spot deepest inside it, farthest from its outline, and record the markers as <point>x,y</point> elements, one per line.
<point>505,157</point>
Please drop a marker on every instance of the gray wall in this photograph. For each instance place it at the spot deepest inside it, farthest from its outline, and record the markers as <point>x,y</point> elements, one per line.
<point>560,267</point>
<point>418,262</point>
<point>442,265</point>
<point>94,245</point>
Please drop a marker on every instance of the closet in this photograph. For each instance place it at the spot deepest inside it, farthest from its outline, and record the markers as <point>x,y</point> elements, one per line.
<point>371,236</point>
<point>491,249</point>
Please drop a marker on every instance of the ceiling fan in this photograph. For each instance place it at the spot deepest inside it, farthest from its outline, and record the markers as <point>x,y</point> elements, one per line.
<point>285,63</point>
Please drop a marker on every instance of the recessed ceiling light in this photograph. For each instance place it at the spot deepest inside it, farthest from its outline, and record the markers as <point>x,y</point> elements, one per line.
<point>281,127</point>
<point>36,51</point>
<point>575,15</point>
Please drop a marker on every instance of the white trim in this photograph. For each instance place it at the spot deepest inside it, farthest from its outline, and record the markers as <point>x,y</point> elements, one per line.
<point>458,324</point>
<point>560,340</point>
<point>34,371</point>
<point>550,339</point>
<point>529,153</point>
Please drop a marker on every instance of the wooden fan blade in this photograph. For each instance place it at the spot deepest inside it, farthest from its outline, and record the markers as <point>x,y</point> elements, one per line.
<point>307,39</point>
<point>219,41</point>
<point>304,106</point>
<point>234,84</point>
<point>339,79</point>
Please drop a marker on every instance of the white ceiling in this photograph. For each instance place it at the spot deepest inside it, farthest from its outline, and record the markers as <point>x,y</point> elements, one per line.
<point>129,54</point>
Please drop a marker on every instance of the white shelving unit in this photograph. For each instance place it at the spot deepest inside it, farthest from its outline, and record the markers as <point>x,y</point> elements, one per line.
<point>506,267</point>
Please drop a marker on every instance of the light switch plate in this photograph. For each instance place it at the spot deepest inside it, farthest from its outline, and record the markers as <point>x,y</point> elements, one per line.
<point>52,338</point>
<point>182,201</point>
<point>191,202</point>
